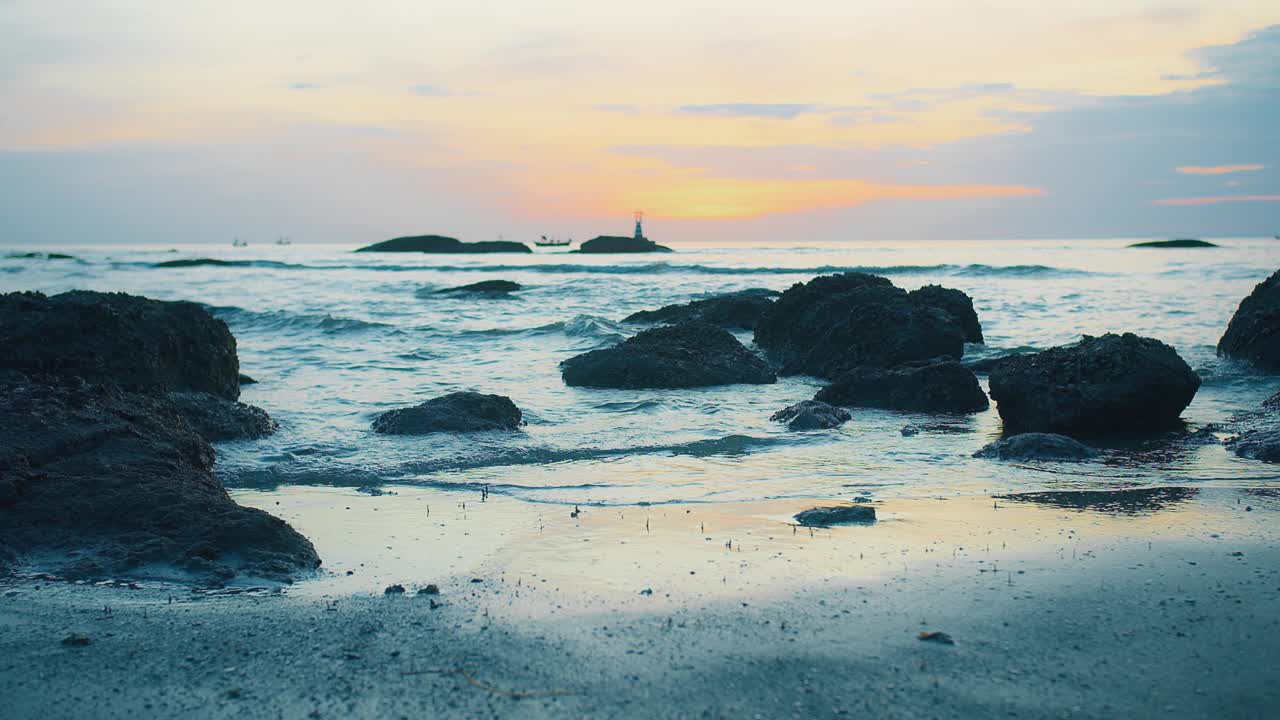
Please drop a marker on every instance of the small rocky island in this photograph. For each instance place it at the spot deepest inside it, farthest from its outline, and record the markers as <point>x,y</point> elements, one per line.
<point>1178,243</point>
<point>444,244</point>
<point>621,244</point>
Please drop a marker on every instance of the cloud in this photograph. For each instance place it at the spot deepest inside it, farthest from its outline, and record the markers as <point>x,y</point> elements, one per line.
<point>1094,157</point>
<point>778,111</point>
<point>616,108</point>
<point>1217,199</point>
<point>429,91</point>
<point>1216,169</point>
<point>303,86</point>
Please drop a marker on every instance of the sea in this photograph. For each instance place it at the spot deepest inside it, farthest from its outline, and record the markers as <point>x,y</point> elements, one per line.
<point>334,338</point>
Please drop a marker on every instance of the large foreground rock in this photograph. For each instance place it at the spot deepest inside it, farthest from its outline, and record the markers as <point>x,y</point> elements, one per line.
<point>175,349</point>
<point>119,482</point>
<point>455,412</point>
<point>1107,384</point>
<point>133,342</point>
<point>740,310</point>
<point>944,387</point>
<point>1254,331</point>
<point>838,322</point>
<point>689,354</point>
<point>444,244</point>
<point>620,244</point>
<point>811,415</point>
<point>1037,446</point>
<point>218,419</point>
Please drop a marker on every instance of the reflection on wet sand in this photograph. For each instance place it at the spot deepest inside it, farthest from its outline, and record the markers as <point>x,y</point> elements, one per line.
<point>1132,501</point>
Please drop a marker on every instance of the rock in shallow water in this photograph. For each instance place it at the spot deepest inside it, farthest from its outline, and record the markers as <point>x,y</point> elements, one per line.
<point>740,310</point>
<point>837,322</point>
<point>1037,446</point>
<point>811,415</point>
<point>953,302</point>
<point>1253,334</point>
<point>218,419</point>
<point>133,342</point>
<point>455,412</point>
<point>1258,444</point>
<point>943,387</point>
<point>689,354</point>
<point>125,481</point>
<point>839,515</point>
<point>1108,384</point>
<point>484,287</point>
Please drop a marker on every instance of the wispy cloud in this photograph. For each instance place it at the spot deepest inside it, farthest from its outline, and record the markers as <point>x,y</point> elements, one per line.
<point>616,108</point>
<point>426,90</point>
<point>1217,169</point>
<point>303,86</point>
<point>780,111</point>
<point>1216,199</point>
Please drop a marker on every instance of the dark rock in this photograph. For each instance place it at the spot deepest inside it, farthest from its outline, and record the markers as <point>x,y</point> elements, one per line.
<point>197,262</point>
<point>219,419</point>
<point>1179,243</point>
<point>740,310</point>
<point>839,515</point>
<point>953,302</point>
<point>492,287</point>
<point>1253,334</point>
<point>1113,383</point>
<point>837,322</point>
<point>937,428</point>
<point>431,589</point>
<point>1262,443</point>
<point>690,354</point>
<point>937,636</point>
<point>944,386</point>
<point>455,412</point>
<point>77,640</point>
<point>1037,446</point>
<point>394,590</point>
<point>246,380</point>
<point>39,256</point>
<point>620,244</point>
<point>133,342</point>
<point>811,415</point>
<point>987,365</point>
<point>124,480</point>
<point>443,244</point>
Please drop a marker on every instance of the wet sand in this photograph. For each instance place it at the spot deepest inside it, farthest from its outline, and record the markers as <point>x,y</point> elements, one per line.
<point>1162,604</point>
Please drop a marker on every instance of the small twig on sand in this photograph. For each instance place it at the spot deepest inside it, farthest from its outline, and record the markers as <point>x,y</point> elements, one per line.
<point>517,695</point>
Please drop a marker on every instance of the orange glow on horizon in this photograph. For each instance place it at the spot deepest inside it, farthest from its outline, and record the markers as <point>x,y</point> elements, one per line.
<point>1217,169</point>
<point>1215,199</point>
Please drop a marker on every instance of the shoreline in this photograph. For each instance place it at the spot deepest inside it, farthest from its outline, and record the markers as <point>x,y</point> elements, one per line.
<point>1054,612</point>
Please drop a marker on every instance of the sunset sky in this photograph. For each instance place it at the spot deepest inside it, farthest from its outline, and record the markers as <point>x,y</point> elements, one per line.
<point>134,121</point>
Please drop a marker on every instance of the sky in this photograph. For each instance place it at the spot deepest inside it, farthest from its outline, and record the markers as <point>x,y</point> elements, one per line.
<point>131,121</point>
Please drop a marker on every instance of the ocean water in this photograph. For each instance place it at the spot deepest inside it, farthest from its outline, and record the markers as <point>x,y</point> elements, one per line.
<point>335,338</point>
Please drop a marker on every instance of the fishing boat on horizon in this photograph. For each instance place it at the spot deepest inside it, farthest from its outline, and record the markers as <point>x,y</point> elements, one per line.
<point>552,242</point>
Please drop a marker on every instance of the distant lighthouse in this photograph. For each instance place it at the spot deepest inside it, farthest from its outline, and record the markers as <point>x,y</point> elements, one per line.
<point>639,232</point>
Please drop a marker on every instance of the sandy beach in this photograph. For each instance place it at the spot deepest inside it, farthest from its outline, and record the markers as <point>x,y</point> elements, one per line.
<point>1132,604</point>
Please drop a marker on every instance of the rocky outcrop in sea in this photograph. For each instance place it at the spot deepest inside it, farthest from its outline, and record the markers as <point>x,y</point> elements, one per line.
<point>688,354</point>
<point>1253,335</point>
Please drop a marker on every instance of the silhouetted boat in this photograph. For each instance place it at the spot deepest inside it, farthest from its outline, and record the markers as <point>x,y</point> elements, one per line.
<point>552,242</point>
